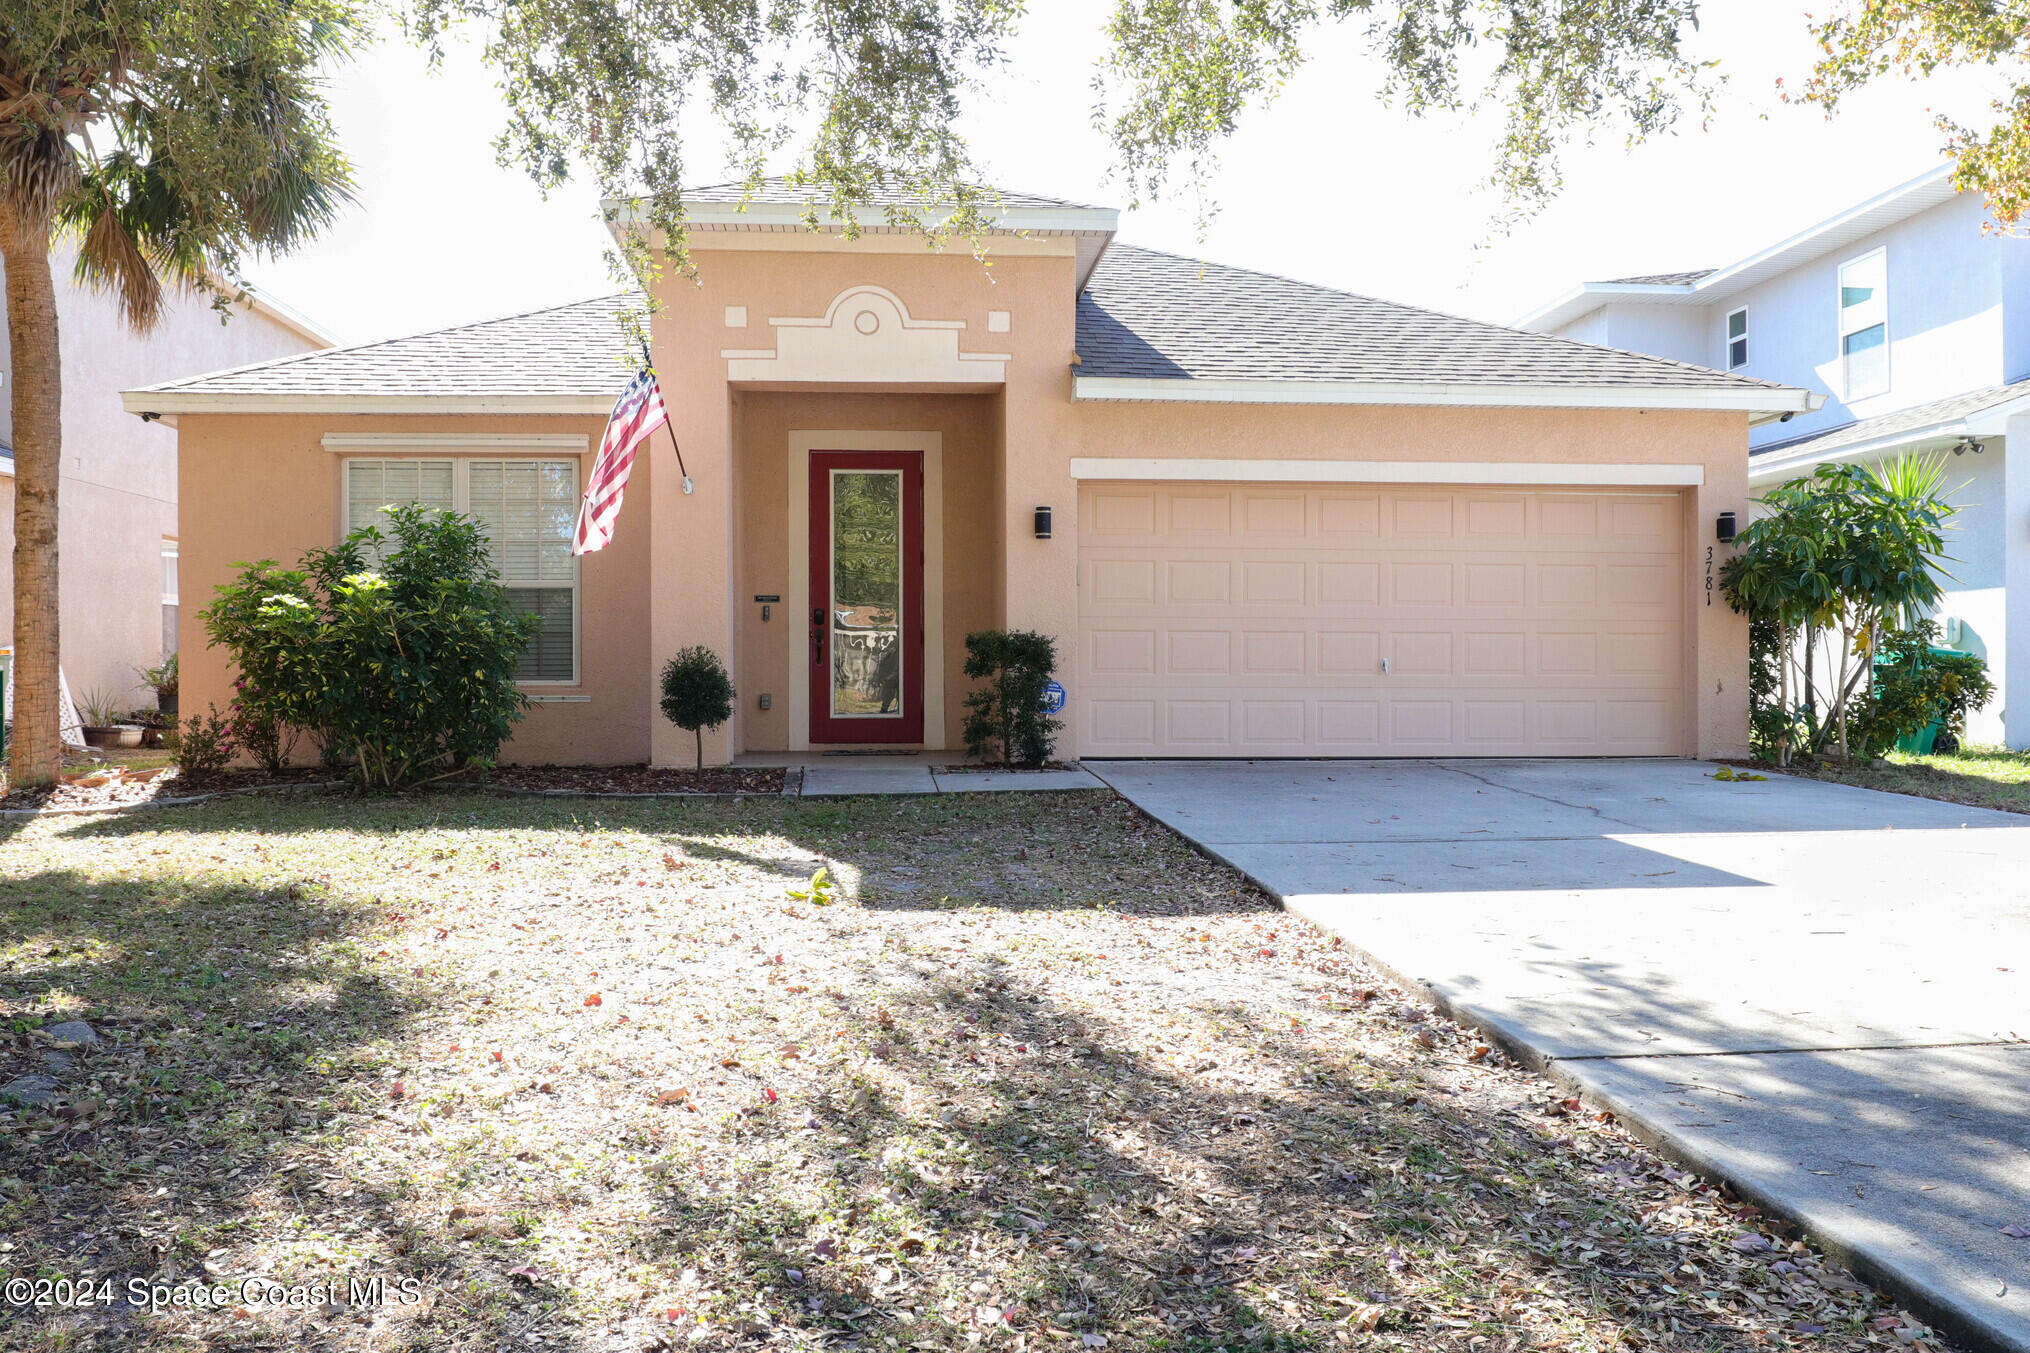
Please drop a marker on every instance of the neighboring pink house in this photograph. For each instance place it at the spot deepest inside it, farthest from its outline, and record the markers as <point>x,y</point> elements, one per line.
<point>118,540</point>
<point>1261,518</point>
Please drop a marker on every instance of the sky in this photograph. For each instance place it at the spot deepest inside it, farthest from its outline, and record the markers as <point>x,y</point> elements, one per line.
<point>1325,183</point>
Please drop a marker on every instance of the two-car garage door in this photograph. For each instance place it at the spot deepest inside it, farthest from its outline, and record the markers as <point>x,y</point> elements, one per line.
<point>1361,620</point>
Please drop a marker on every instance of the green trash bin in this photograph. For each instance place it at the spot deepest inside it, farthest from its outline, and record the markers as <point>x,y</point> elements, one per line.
<point>1925,739</point>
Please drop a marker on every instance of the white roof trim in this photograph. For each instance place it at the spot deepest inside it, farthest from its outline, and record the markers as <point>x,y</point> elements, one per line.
<point>1989,422</point>
<point>1238,470</point>
<point>1094,227</point>
<point>289,318</point>
<point>765,215</point>
<point>1587,297</point>
<point>1838,231</point>
<point>1772,401</point>
<point>165,402</point>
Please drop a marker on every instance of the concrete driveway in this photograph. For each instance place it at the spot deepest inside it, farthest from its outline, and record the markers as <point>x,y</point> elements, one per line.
<point>1817,992</point>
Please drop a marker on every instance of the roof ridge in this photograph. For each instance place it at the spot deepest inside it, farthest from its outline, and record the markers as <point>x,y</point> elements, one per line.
<point>1405,308</point>
<point>291,359</point>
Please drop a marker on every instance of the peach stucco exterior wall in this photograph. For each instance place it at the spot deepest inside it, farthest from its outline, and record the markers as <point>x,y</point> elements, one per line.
<point>265,486</point>
<point>1043,429</point>
<point>781,281</point>
<point>771,653</point>
<point>684,568</point>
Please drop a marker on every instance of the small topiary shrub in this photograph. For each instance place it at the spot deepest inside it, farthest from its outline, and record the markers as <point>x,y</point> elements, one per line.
<point>1007,714</point>
<point>405,670</point>
<point>697,694</point>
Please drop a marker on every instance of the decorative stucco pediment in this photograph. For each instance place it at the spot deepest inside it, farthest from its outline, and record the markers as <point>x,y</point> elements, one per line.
<point>866,335</point>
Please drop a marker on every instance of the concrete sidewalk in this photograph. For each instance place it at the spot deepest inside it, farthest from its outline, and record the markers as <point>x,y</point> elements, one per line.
<point>882,776</point>
<point>1818,993</point>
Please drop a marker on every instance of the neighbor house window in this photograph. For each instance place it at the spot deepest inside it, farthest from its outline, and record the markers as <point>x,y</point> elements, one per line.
<point>526,507</point>
<point>1737,339</point>
<point>1864,325</point>
<point>170,599</point>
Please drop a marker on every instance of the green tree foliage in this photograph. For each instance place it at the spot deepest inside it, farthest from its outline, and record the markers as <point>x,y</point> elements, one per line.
<point>697,694</point>
<point>1914,685</point>
<point>1839,559</point>
<point>167,138</point>
<point>1179,74</point>
<point>404,669</point>
<point>1866,41</point>
<point>1007,714</point>
<point>870,91</point>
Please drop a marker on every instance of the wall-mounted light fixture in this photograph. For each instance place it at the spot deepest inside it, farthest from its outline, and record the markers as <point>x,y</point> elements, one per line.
<point>1724,527</point>
<point>1043,523</point>
<point>1966,444</point>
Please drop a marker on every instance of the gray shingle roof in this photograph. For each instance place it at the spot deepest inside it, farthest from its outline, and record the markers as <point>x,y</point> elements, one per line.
<point>1914,419</point>
<point>1156,315</point>
<point>780,191</point>
<point>576,349</point>
<point>1661,279</point>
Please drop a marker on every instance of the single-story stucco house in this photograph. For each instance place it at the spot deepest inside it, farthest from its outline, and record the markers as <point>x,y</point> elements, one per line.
<point>1261,518</point>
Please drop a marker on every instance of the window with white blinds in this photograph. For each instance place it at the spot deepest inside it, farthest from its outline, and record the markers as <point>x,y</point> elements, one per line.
<point>527,508</point>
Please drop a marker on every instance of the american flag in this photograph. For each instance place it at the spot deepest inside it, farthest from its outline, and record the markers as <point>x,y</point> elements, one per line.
<point>638,413</point>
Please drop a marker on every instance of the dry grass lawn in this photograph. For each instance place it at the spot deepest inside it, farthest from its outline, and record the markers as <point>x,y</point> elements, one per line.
<point>1982,777</point>
<point>612,1075</point>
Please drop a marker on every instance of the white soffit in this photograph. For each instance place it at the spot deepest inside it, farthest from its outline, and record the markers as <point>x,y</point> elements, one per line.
<point>1090,227</point>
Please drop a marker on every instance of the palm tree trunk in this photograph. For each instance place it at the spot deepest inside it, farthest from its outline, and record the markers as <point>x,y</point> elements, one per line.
<point>36,751</point>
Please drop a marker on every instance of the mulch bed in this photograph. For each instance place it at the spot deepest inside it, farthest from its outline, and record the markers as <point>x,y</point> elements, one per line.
<point>638,779</point>
<point>116,786</point>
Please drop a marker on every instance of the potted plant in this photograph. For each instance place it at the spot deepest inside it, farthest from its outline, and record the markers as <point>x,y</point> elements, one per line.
<point>103,726</point>
<point>161,679</point>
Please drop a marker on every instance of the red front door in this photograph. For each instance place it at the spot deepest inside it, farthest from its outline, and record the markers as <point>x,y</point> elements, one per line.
<point>866,621</point>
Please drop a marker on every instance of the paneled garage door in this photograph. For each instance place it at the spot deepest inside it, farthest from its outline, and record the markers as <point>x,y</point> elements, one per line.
<point>1292,620</point>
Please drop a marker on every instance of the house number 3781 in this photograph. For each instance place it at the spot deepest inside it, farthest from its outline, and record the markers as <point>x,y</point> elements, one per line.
<point>1709,575</point>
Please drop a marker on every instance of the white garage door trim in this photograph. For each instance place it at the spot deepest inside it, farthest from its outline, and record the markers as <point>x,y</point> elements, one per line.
<point>1387,472</point>
<point>1265,619</point>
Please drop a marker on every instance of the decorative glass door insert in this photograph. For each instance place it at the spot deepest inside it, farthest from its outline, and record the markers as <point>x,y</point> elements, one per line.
<point>866,597</point>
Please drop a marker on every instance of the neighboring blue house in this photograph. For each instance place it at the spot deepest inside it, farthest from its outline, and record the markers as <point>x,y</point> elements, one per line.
<point>1916,326</point>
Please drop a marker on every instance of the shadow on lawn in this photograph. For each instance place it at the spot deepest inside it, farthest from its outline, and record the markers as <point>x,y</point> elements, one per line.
<point>1091,1190</point>
<point>989,1146</point>
<point>236,1023</point>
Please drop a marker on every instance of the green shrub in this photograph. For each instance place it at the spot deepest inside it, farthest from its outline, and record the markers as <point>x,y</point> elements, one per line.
<point>697,694</point>
<point>1008,713</point>
<point>260,731</point>
<point>1915,686</point>
<point>1837,560</point>
<point>403,670</point>
<point>203,745</point>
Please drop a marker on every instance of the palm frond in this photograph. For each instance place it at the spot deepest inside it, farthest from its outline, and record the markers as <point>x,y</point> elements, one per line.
<point>38,168</point>
<point>110,260</point>
<point>1912,477</point>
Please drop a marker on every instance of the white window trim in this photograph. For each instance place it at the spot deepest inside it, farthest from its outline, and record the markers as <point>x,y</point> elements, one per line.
<point>169,551</point>
<point>1728,339</point>
<point>1840,318</point>
<point>461,502</point>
